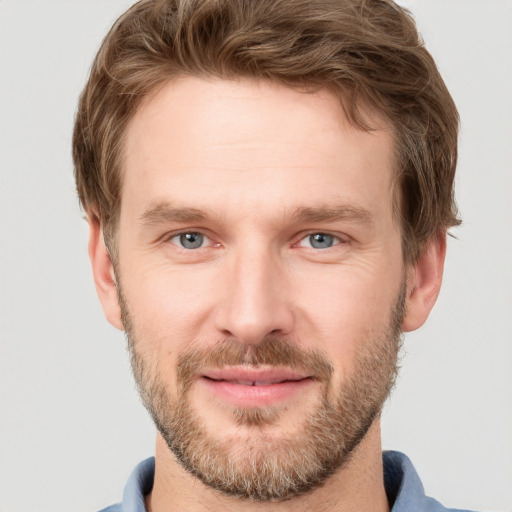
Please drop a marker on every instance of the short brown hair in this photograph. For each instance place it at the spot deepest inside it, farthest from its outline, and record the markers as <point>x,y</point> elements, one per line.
<point>366,51</point>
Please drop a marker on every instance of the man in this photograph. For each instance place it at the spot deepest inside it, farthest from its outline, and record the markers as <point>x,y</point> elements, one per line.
<point>268,187</point>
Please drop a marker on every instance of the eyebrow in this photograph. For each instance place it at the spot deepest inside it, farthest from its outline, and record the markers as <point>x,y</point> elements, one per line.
<point>332,214</point>
<point>163,212</point>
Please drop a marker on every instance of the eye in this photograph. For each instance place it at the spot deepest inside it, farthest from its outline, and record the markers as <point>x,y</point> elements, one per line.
<point>319,241</point>
<point>190,240</point>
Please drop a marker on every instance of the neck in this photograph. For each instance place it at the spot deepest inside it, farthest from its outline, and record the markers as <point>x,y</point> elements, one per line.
<point>357,486</point>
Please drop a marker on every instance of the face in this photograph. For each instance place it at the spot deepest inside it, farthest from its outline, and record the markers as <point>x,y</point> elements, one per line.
<point>261,280</point>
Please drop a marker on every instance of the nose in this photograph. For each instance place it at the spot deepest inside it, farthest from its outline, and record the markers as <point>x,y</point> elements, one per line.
<point>254,301</point>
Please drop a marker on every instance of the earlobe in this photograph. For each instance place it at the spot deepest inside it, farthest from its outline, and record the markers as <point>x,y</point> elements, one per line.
<point>103,271</point>
<point>424,282</point>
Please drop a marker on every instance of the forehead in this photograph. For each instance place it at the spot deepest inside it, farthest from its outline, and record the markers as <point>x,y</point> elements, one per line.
<point>256,142</point>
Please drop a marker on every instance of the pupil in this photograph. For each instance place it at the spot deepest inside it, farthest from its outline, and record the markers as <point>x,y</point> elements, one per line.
<point>191,240</point>
<point>321,241</point>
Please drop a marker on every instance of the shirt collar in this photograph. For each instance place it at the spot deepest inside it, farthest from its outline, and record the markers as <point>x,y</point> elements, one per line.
<point>139,485</point>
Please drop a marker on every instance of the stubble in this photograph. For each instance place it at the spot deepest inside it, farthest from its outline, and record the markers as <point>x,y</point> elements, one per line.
<point>258,464</point>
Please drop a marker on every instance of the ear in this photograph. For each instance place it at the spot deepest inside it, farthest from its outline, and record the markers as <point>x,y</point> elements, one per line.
<point>424,282</point>
<point>103,271</point>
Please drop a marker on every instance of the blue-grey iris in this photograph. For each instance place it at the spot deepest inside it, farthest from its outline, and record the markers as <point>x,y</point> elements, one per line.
<point>191,240</point>
<point>321,241</point>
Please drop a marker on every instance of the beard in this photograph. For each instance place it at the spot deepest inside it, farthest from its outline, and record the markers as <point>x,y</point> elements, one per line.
<point>256,464</point>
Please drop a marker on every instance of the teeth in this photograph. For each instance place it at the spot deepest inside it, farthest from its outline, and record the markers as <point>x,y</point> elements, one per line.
<point>255,383</point>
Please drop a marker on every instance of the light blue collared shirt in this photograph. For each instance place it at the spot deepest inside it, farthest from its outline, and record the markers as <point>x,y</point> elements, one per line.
<point>403,487</point>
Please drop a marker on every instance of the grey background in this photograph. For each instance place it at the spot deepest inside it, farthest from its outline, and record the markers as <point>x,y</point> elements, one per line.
<point>71,423</point>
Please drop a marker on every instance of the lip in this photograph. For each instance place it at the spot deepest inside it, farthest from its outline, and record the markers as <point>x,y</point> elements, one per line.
<point>253,387</point>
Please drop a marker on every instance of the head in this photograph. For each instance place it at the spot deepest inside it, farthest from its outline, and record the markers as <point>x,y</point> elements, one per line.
<point>269,185</point>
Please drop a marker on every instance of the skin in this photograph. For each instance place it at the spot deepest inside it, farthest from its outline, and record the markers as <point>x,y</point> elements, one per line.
<point>250,155</point>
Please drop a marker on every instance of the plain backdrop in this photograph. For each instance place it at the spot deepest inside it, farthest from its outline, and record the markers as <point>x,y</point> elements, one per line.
<point>71,423</point>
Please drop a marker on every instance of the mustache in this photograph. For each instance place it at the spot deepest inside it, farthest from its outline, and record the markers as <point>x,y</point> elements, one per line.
<point>271,351</point>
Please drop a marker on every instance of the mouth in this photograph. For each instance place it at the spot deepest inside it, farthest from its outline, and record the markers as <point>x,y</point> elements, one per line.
<point>253,387</point>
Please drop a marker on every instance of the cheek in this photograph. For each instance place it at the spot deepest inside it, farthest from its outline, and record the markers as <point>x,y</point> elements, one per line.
<point>168,304</point>
<point>342,312</point>
<point>165,313</point>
